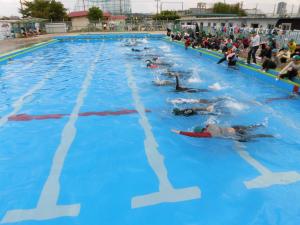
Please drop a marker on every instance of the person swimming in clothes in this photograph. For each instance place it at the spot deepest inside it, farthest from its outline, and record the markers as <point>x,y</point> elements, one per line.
<point>238,133</point>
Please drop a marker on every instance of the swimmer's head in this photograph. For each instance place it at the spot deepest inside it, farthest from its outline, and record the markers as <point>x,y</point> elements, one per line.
<point>176,111</point>
<point>199,129</point>
<point>296,58</point>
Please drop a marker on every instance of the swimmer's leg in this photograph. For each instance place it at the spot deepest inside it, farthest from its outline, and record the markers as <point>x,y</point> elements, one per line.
<point>246,138</point>
<point>247,128</point>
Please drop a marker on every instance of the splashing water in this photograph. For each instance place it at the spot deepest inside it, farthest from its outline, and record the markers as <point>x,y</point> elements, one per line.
<point>165,48</point>
<point>234,105</point>
<point>195,76</point>
<point>216,87</point>
<point>184,101</point>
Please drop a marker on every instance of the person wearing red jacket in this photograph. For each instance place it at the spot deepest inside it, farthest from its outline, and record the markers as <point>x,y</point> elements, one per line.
<point>239,133</point>
<point>187,43</point>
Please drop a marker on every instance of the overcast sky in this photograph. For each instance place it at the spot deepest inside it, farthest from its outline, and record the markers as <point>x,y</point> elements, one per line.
<point>10,7</point>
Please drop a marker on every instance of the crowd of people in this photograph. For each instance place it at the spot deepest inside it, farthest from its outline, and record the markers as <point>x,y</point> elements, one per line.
<point>284,58</point>
<point>169,75</point>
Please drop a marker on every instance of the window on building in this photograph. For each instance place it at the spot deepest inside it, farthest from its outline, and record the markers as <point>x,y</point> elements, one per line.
<point>208,24</point>
<point>254,25</point>
<point>271,26</point>
<point>286,26</point>
<point>222,24</point>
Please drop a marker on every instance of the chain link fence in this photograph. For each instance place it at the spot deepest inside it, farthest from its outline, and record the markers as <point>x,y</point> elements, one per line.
<point>116,26</point>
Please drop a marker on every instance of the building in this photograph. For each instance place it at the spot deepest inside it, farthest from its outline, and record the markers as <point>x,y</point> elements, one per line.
<point>299,10</point>
<point>281,8</point>
<point>254,22</point>
<point>80,21</point>
<point>5,29</point>
<point>255,12</point>
<point>116,7</point>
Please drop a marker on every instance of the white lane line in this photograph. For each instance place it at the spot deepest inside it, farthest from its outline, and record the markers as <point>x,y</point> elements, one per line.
<point>47,207</point>
<point>166,193</point>
<point>18,104</point>
<point>266,178</point>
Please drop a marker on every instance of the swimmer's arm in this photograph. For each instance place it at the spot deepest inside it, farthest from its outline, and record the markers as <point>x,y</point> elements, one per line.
<point>193,134</point>
<point>285,69</point>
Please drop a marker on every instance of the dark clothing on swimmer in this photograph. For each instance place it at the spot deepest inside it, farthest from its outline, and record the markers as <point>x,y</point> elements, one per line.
<point>185,89</point>
<point>136,50</point>
<point>193,111</point>
<point>238,133</point>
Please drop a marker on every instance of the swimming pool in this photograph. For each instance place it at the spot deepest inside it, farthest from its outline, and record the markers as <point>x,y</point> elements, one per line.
<point>85,139</point>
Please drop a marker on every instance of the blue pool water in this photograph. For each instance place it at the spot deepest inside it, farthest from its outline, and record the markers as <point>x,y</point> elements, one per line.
<point>68,157</point>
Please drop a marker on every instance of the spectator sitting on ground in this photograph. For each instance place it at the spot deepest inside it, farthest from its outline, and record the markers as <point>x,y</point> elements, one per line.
<point>271,63</point>
<point>284,54</point>
<point>265,52</point>
<point>291,70</point>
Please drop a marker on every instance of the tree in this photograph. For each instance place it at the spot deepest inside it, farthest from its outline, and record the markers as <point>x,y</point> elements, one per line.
<point>57,11</point>
<point>228,9</point>
<point>46,9</point>
<point>95,14</point>
<point>166,15</point>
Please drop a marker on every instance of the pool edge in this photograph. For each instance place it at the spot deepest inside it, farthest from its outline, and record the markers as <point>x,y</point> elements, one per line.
<point>285,84</point>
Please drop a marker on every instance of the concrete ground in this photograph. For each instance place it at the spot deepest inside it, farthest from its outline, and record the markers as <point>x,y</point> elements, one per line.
<point>17,43</point>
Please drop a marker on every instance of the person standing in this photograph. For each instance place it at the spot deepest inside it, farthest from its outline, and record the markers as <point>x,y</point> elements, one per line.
<point>255,42</point>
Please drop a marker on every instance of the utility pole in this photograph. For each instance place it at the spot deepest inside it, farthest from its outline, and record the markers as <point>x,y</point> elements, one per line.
<point>274,10</point>
<point>157,6</point>
<point>21,4</point>
<point>256,9</point>
<point>83,2</point>
<point>121,7</point>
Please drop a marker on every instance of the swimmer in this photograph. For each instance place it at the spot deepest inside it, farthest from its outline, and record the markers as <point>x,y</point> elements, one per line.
<point>136,50</point>
<point>294,96</point>
<point>238,133</point>
<point>171,74</point>
<point>152,65</point>
<point>185,89</point>
<point>195,101</point>
<point>194,111</point>
<point>158,82</point>
<point>157,62</point>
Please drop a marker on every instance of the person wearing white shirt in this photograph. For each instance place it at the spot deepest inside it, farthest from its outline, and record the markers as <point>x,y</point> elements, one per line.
<point>255,42</point>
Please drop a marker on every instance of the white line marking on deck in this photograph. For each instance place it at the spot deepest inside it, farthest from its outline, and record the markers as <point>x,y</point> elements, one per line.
<point>267,177</point>
<point>47,207</point>
<point>166,193</point>
<point>18,104</point>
